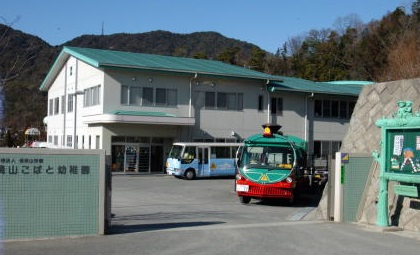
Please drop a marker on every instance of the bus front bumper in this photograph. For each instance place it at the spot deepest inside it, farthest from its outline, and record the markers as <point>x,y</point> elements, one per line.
<point>174,171</point>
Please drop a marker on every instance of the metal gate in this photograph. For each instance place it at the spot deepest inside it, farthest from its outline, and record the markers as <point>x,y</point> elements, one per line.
<point>351,173</point>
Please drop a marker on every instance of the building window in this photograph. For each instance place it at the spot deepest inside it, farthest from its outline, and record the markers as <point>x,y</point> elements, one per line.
<point>97,142</point>
<point>324,148</point>
<point>166,97</point>
<point>210,100</point>
<point>70,100</point>
<point>51,107</point>
<point>56,140</point>
<point>63,104</point>
<point>56,105</point>
<point>333,109</point>
<point>343,109</point>
<point>147,98</point>
<point>124,95</point>
<point>260,103</point>
<point>92,96</point>
<point>138,96</point>
<point>240,101</point>
<point>276,106</point>
<point>224,101</point>
<point>135,96</point>
<point>69,141</point>
<point>221,100</point>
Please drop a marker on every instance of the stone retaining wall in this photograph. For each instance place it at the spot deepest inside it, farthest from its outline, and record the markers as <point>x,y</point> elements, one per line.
<point>377,101</point>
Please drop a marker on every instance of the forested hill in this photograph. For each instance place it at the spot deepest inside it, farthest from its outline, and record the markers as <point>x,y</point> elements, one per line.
<point>209,45</point>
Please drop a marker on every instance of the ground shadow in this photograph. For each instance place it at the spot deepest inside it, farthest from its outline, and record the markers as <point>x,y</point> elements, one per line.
<point>124,229</point>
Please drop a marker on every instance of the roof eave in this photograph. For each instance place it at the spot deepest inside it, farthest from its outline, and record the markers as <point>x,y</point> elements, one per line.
<point>316,92</point>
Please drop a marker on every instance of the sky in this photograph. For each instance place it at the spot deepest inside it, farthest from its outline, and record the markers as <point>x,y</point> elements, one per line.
<point>265,23</point>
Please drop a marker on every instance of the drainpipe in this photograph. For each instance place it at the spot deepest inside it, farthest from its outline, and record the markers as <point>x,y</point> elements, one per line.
<point>268,100</point>
<point>190,102</point>
<point>306,115</point>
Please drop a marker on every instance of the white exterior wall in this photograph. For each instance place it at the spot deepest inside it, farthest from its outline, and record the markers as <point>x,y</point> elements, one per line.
<point>55,122</point>
<point>75,76</point>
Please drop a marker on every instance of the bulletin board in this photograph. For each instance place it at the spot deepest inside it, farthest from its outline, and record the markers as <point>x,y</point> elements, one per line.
<point>403,151</point>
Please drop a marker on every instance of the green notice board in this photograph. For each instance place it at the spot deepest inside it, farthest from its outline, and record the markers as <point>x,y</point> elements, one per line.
<point>49,194</point>
<point>403,151</point>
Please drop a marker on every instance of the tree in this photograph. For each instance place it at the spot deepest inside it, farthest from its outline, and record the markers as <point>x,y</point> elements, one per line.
<point>229,55</point>
<point>257,60</point>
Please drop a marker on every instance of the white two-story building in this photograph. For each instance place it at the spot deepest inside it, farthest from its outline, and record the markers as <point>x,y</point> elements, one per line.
<point>135,106</point>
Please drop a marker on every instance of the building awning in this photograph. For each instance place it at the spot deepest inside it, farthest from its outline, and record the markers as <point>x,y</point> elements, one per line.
<point>138,117</point>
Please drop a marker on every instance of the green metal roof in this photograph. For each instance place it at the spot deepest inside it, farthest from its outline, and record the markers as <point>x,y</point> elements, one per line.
<point>109,58</point>
<point>351,88</point>
<point>149,62</point>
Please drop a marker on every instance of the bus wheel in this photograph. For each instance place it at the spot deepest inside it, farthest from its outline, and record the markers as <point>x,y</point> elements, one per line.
<point>189,174</point>
<point>245,200</point>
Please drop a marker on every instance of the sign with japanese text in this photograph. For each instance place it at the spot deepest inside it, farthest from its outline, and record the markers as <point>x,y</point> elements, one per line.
<point>49,193</point>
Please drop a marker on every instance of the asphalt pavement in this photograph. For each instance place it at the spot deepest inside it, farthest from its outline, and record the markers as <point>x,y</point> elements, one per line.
<point>164,215</point>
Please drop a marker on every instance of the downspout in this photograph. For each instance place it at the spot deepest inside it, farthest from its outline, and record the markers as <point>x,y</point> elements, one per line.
<point>306,120</point>
<point>190,102</point>
<point>306,116</point>
<point>75,105</point>
<point>63,140</point>
<point>268,100</point>
<point>308,146</point>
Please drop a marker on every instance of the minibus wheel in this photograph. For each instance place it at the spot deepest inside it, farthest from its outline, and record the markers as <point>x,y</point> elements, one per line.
<point>244,200</point>
<point>189,174</point>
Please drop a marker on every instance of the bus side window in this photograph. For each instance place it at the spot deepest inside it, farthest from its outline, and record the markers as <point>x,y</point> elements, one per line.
<point>189,153</point>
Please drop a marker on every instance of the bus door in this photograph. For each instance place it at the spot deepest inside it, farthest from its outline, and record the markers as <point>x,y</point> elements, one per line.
<point>203,161</point>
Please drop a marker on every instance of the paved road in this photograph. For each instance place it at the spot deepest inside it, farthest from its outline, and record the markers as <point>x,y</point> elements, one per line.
<point>164,215</point>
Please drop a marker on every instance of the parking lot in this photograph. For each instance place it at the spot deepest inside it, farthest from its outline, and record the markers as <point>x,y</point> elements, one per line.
<point>165,201</point>
<point>158,214</point>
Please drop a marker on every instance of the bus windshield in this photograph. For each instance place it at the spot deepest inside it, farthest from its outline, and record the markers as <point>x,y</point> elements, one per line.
<point>175,151</point>
<point>271,157</point>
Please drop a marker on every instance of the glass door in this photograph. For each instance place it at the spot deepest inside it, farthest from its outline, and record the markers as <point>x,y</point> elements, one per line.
<point>203,161</point>
<point>131,158</point>
<point>144,159</point>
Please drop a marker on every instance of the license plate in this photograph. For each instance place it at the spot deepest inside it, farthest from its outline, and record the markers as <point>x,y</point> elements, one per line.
<point>317,176</point>
<point>242,188</point>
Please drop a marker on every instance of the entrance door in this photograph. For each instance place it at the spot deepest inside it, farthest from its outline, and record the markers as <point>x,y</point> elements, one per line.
<point>203,161</point>
<point>144,159</point>
<point>118,153</point>
<point>130,164</point>
<point>156,158</point>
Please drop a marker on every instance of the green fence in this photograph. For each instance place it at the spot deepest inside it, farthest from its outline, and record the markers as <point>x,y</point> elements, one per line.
<point>52,193</point>
<point>356,173</point>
